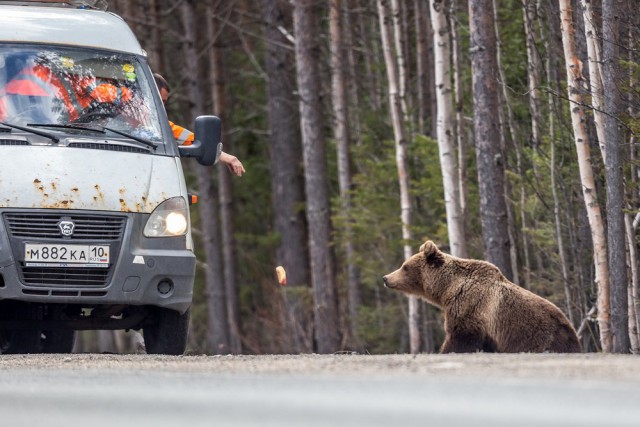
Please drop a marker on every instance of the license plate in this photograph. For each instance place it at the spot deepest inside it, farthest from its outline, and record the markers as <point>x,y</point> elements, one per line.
<point>50,255</point>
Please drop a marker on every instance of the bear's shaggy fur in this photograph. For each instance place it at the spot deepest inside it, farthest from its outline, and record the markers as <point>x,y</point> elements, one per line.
<point>483,311</point>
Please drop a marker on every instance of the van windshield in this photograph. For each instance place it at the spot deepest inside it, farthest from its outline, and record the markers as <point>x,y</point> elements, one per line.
<point>62,86</point>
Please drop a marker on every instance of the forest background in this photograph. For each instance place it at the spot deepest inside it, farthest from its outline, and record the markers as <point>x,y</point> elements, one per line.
<point>502,130</point>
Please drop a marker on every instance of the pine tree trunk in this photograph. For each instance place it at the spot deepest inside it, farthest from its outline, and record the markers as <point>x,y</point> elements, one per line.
<point>507,122</point>
<point>611,16</point>
<point>551,73</point>
<point>218,94</point>
<point>490,159</point>
<point>395,106</point>
<point>353,89</point>
<point>287,180</point>
<point>215,289</point>
<point>314,150</point>
<point>596,224</point>
<point>156,54</point>
<point>343,141</point>
<point>445,130</point>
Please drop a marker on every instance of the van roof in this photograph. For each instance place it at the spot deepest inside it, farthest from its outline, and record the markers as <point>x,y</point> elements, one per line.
<point>66,26</point>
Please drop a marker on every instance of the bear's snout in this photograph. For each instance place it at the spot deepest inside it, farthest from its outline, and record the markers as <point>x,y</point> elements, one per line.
<point>385,280</point>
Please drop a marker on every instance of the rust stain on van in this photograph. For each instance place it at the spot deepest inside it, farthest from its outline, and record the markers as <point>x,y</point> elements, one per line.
<point>123,206</point>
<point>100,197</point>
<point>62,204</point>
<point>38,184</point>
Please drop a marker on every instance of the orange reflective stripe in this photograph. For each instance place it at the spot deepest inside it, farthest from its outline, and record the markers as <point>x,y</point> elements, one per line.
<point>62,91</point>
<point>105,93</point>
<point>183,136</point>
<point>27,87</point>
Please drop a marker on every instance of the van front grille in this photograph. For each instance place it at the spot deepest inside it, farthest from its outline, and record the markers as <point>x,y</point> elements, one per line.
<point>41,227</point>
<point>45,226</point>
<point>65,277</point>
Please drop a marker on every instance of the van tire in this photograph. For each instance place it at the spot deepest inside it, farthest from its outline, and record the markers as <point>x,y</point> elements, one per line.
<point>20,341</point>
<point>60,341</point>
<point>167,333</point>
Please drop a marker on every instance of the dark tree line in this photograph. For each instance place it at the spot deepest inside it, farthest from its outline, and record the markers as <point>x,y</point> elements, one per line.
<point>503,130</point>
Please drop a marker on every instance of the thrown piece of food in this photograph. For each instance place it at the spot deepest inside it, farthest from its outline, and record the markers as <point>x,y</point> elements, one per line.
<point>281,275</point>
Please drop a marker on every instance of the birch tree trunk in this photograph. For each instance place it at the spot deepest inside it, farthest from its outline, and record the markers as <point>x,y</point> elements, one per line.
<point>595,73</point>
<point>421,29</point>
<point>460,128</point>
<point>287,179</point>
<point>596,224</point>
<point>398,39</point>
<point>634,298</point>
<point>218,94</point>
<point>445,130</point>
<point>611,10</point>
<point>306,30</point>
<point>395,106</point>
<point>490,159</point>
<point>632,260</point>
<point>215,290</point>
<point>340,99</point>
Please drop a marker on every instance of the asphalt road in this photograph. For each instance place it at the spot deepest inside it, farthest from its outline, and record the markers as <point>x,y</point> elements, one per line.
<point>337,390</point>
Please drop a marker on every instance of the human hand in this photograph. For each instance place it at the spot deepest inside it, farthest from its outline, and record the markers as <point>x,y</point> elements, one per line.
<point>235,166</point>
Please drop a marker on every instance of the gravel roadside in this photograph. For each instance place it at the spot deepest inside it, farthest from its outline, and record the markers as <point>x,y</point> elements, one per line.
<point>590,367</point>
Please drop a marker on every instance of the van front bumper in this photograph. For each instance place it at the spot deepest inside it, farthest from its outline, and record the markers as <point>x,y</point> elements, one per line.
<point>142,271</point>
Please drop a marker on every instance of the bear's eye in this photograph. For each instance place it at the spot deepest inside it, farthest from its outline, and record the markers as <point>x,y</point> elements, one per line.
<point>405,268</point>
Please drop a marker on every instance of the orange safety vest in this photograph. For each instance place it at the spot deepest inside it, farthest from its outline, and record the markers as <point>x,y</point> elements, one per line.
<point>183,136</point>
<point>41,81</point>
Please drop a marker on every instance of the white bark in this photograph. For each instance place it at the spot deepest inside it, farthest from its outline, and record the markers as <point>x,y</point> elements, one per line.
<point>632,296</point>
<point>401,160</point>
<point>595,73</point>
<point>460,128</point>
<point>594,215</point>
<point>444,129</point>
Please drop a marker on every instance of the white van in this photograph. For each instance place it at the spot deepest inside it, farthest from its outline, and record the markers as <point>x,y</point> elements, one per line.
<point>94,210</point>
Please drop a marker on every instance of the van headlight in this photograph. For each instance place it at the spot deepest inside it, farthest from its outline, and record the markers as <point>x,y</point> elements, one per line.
<point>168,219</point>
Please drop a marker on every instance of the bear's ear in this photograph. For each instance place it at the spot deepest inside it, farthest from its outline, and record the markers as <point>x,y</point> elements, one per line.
<point>432,254</point>
<point>428,247</point>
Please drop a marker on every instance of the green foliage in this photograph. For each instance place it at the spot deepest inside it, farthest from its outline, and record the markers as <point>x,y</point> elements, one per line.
<point>377,229</point>
<point>379,327</point>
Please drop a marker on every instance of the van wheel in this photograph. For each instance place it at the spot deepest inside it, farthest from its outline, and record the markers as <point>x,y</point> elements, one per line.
<point>167,333</point>
<point>20,341</point>
<point>60,341</point>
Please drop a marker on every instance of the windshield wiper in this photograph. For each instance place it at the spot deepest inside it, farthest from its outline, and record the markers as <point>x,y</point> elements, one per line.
<point>135,138</point>
<point>35,132</point>
<point>67,126</point>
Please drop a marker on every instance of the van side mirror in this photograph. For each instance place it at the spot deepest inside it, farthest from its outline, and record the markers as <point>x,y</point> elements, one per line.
<point>207,145</point>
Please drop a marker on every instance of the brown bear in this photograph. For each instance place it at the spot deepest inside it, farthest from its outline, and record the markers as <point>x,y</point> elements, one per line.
<point>483,311</point>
